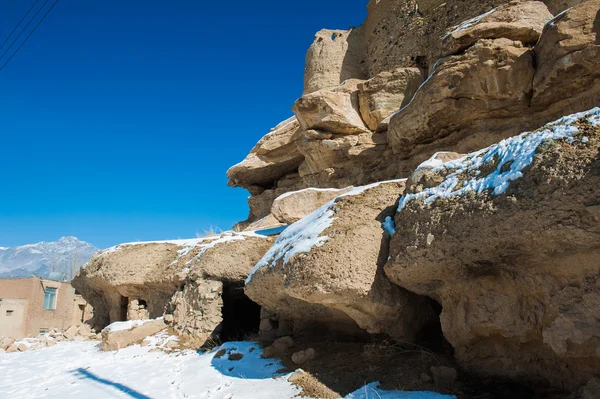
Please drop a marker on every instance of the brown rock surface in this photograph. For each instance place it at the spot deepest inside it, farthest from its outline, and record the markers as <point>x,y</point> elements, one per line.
<point>385,94</point>
<point>334,110</point>
<point>334,56</point>
<point>293,206</point>
<point>558,6</point>
<point>567,56</point>
<point>116,339</point>
<point>153,272</point>
<point>518,20</point>
<point>409,33</point>
<point>517,271</point>
<point>469,93</point>
<point>197,308</point>
<point>272,157</point>
<point>340,268</point>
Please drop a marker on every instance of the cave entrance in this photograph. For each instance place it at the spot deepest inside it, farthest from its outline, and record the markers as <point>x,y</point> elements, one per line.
<point>431,335</point>
<point>123,308</point>
<point>241,316</point>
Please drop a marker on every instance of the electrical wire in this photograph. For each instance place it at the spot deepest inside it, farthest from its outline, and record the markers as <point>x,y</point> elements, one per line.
<point>13,31</point>
<point>23,30</point>
<point>30,33</point>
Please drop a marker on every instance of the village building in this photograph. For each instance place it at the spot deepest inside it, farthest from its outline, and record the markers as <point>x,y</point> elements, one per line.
<point>33,306</point>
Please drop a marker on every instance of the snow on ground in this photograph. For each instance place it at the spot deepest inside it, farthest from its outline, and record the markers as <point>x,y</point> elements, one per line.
<point>305,234</point>
<point>512,156</point>
<point>81,370</point>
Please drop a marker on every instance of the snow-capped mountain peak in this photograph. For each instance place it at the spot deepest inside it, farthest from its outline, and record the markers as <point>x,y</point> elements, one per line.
<point>65,255</point>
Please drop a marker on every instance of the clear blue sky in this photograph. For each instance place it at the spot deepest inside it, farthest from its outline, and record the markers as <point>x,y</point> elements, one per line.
<point>119,118</point>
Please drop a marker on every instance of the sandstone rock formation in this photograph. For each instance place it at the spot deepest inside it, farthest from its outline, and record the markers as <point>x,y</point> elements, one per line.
<point>182,277</point>
<point>293,206</point>
<point>272,157</point>
<point>489,82</point>
<point>214,283</point>
<point>491,79</point>
<point>120,335</point>
<point>334,56</point>
<point>513,260</point>
<point>504,239</point>
<point>520,21</point>
<point>384,94</point>
<point>567,56</point>
<point>334,111</point>
<point>330,265</point>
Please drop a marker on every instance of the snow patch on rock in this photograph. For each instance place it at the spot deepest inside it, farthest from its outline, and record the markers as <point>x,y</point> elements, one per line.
<point>302,236</point>
<point>512,156</point>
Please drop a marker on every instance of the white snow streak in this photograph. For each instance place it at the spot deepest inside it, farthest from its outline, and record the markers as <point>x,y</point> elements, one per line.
<point>512,156</point>
<point>305,234</point>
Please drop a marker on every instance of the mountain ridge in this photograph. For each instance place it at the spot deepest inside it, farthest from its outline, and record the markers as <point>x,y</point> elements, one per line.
<point>65,255</point>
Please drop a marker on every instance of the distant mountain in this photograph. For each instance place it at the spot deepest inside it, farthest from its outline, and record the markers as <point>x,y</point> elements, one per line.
<point>66,255</point>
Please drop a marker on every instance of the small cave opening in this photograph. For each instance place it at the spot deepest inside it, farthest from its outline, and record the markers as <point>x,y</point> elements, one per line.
<point>241,316</point>
<point>431,335</point>
<point>142,304</point>
<point>123,308</point>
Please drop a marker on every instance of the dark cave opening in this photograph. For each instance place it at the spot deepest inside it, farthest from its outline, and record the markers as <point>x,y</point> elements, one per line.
<point>241,316</point>
<point>431,336</point>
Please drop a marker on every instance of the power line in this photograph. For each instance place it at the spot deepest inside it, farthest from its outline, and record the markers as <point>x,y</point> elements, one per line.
<point>23,30</point>
<point>13,31</point>
<point>28,36</point>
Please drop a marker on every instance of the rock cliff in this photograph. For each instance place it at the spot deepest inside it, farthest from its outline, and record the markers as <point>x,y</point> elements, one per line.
<point>386,230</point>
<point>512,259</point>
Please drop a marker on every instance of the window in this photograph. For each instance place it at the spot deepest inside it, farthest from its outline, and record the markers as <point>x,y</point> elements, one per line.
<point>9,312</point>
<point>44,330</point>
<point>50,299</point>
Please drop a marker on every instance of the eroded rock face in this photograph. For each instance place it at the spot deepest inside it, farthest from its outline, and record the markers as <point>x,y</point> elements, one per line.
<point>409,33</point>
<point>334,111</point>
<point>567,56</point>
<point>293,206</point>
<point>334,56</point>
<point>558,6</point>
<point>273,157</point>
<point>521,21</point>
<point>385,94</point>
<point>513,260</point>
<point>330,265</point>
<point>474,92</point>
<point>165,275</point>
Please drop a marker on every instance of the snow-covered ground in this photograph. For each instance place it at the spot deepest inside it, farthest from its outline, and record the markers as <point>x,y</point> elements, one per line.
<point>81,370</point>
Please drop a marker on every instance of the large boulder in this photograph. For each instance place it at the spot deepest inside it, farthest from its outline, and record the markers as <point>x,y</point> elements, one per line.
<point>120,280</point>
<point>293,206</point>
<point>334,56</point>
<point>337,157</point>
<point>334,110</point>
<point>567,58</point>
<point>120,335</point>
<point>272,157</point>
<point>329,264</point>
<point>521,21</point>
<point>385,94</point>
<point>507,240</point>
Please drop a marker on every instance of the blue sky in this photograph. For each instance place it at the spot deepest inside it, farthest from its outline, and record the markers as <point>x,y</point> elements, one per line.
<point>119,118</point>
